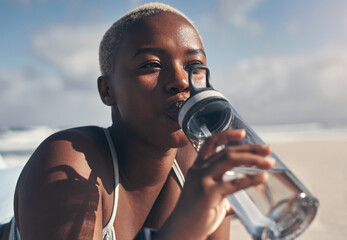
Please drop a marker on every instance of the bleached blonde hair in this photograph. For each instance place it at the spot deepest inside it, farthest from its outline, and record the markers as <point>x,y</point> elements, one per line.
<point>113,36</point>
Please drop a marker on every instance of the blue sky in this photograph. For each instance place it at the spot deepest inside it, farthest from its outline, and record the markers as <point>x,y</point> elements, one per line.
<point>277,61</point>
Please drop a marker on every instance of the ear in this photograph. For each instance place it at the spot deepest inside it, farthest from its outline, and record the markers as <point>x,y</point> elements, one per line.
<point>105,91</point>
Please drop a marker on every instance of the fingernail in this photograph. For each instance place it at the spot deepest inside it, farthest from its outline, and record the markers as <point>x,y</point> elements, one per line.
<point>266,176</point>
<point>270,160</point>
<point>220,148</point>
<point>267,147</point>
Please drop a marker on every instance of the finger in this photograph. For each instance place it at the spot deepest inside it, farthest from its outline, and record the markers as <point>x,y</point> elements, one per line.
<point>229,187</point>
<point>228,159</point>
<point>262,150</point>
<point>211,143</point>
<point>228,209</point>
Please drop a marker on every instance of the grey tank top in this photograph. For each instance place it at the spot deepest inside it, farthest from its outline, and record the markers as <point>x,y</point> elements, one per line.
<point>108,232</point>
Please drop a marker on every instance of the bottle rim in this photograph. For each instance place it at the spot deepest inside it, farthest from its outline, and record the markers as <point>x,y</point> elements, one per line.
<point>193,100</point>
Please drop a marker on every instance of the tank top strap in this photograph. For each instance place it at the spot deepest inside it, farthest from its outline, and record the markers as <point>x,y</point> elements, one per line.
<point>109,229</point>
<point>14,231</point>
<point>177,170</point>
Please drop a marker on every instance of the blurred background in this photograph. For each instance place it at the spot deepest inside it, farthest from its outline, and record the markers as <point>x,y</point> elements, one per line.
<point>282,64</point>
<point>279,62</point>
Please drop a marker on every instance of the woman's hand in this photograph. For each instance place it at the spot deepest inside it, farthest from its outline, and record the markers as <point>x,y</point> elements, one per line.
<point>202,205</point>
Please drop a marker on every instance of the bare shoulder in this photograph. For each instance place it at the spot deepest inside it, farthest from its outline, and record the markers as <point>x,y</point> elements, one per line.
<point>59,193</point>
<point>68,154</point>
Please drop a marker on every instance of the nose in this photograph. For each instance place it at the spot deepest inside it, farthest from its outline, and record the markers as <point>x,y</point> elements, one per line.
<point>177,81</point>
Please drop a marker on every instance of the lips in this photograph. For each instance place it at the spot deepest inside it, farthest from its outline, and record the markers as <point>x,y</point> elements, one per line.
<point>172,110</point>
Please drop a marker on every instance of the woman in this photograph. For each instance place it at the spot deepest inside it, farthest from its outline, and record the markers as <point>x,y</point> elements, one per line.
<point>93,183</point>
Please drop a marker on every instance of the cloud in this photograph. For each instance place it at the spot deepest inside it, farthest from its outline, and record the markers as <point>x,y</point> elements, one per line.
<point>32,97</point>
<point>231,21</point>
<point>28,2</point>
<point>66,95</point>
<point>135,3</point>
<point>293,27</point>
<point>72,51</point>
<point>286,89</point>
<point>40,100</point>
<point>274,89</point>
<point>237,13</point>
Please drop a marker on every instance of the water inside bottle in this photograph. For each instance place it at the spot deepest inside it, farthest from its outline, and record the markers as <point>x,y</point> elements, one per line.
<point>199,140</point>
<point>209,117</point>
<point>278,209</point>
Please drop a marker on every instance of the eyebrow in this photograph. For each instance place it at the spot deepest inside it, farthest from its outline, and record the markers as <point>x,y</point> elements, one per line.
<point>148,50</point>
<point>195,51</point>
<point>159,50</point>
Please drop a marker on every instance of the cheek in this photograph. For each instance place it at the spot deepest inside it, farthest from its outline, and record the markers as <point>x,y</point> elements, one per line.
<point>136,93</point>
<point>136,101</point>
<point>147,82</point>
<point>139,84</point>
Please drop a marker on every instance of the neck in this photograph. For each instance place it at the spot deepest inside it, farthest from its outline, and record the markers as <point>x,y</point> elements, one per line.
<point>141,165</point>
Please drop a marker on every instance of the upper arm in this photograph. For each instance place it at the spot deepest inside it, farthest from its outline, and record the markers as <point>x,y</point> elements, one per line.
<point>58,195</point>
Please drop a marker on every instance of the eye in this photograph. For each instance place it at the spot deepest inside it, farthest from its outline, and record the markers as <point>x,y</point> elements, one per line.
<point>188,66</point>
<point>153,65</point>
<point>198,76</point>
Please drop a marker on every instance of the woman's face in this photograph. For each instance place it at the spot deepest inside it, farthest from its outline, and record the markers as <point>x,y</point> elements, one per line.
<point>150,77</point>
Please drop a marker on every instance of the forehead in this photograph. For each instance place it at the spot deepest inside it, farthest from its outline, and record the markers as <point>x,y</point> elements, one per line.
<point>165,30</point>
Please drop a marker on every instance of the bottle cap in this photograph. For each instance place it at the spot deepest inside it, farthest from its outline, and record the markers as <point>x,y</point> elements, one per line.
<point>206,111</point>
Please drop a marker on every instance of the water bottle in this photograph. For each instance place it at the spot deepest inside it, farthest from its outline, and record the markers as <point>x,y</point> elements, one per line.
<point>283,207</point>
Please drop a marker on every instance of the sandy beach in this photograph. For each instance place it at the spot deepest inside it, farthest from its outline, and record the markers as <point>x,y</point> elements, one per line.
<point>320,162</point>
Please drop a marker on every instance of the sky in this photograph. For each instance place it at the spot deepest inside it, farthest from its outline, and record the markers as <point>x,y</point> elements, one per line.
<point>278,62</point>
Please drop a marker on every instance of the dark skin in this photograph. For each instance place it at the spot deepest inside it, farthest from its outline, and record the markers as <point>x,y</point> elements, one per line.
<point>66,189</point>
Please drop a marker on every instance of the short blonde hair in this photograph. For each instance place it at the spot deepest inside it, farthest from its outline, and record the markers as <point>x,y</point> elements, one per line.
<point>113,36</point>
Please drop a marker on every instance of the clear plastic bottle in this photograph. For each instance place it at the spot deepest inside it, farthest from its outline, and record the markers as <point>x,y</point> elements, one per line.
<point>283,207</point>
